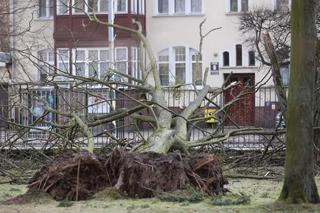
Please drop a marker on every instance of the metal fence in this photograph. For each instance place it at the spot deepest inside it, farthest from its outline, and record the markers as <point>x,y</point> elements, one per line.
<point>27,103</point>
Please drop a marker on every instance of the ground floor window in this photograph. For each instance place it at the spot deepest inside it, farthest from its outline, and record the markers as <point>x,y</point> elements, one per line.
<point>180,65</point>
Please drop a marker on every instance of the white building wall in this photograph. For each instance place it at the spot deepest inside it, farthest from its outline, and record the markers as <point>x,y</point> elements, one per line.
<point>33,34</point>
<point>165,31</point>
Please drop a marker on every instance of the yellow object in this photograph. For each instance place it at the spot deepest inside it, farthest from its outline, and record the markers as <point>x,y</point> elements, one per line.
<point>209,115</point>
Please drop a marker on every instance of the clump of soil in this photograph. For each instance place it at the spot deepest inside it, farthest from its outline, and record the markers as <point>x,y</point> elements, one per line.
<point>78,176</point>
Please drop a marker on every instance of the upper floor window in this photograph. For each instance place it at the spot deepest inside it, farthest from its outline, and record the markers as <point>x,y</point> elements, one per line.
<point>179,7</point>
<point>252,58</point>
<point>226,59</point>
<point>134,6</point>
<point>237,6</point>
<point>62,7</point>
<point>238,55</point>
<point>89,6</point>
<point>180,65</point>
<point>122,6</point>
<point>45,8</point>
<point>142,7</point>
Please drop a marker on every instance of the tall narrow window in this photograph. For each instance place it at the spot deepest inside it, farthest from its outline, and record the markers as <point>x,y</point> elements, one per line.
<point>196,61</point>
<point>46,62</point>
<point>122,6</point>
<point>134,6</point>
<point>244,5</point>
<point>63,60</point>
<point>104,5</point>
<point>79,6</point>
<point>226,59</point>
<point>134,63</point>
<point>234,5</point>
<point>122,59</point>
<point>92,6</point>
<point>179,6</point>
<point>104,63</point>
<point>141,7</point>
<point>284,71</point>
<point>163,60</point>
<point>180,59</point>
<point>196,6</point>
<point>239,55</point>
<point>252,58</point>
<point>45,8</point>
<point>163,6</point>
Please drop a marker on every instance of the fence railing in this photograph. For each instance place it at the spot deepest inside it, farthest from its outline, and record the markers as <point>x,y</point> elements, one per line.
<point>27,104</point>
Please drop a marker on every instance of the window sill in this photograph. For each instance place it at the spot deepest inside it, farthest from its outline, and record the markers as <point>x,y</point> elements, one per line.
<point>179,15</point>
<point>235,13</point>
<point>239,67</point>
<point>44,18</point>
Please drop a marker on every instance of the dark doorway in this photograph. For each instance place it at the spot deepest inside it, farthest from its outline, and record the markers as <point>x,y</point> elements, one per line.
<point>241,112</point>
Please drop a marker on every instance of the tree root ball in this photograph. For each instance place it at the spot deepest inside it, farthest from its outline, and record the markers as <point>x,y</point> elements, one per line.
<point>78,176</point>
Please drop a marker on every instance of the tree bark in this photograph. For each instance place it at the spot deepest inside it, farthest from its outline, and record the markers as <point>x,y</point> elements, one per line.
<point>299,183</point>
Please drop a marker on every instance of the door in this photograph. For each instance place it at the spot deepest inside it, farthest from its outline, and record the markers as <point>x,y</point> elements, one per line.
<point>241,98</point>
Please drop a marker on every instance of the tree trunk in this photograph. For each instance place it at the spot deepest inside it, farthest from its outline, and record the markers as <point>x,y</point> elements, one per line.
<point>316,104</point>
<point>299,184</point>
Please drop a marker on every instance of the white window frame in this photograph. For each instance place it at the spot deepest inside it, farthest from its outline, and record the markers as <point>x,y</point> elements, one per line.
<point>87,61</point>
<point>48,10</point>
<point>49,64</point>
<point>62,61</point>
<point>171,9</point>
<point>86,8</point>
<point>228,7</point>
<point>122,60</point>
<point>142,7</point>
<point>121,12</point>
<point>134,6</point>
<point>58,8</point>
<point>134,63</point>
<point>172,63</point>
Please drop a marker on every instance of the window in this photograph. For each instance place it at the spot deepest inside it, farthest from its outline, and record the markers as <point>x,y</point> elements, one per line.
<point>238,55</point>
<point>226,59</point>
<point>196,6</point>
<point>63,61</point>
<point>234,5</point>
<point>163,64</point>
<point>244,5</point>
<point>179,65</point>
<point>122,6</point>
<point>134,6</point>
<point>90,6</point>
<point>99,104</point>
<point>121,57</point>
<point>196,67</point>
<point>237,6</point>
<point>62,7</point>
<point>284,71</point>
<point>134,63</point>
<point>252,58</point>
<point>45,8</point>
<point>46,63</point>
<point>163,6</point>
<point>91,63</point>
<point>179,6</point>
<point>141,7</point>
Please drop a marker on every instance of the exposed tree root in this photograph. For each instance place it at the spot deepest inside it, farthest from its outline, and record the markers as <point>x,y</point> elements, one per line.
<point>78,176</point>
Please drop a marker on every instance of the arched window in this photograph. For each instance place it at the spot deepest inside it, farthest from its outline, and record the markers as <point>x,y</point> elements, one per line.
<point>238,55</point>
<point>226,59</point>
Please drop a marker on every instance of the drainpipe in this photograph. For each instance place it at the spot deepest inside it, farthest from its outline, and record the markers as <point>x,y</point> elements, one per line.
<point>12,8</point>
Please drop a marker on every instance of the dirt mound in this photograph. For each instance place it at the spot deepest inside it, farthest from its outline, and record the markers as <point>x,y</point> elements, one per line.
<point>78,176</point>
